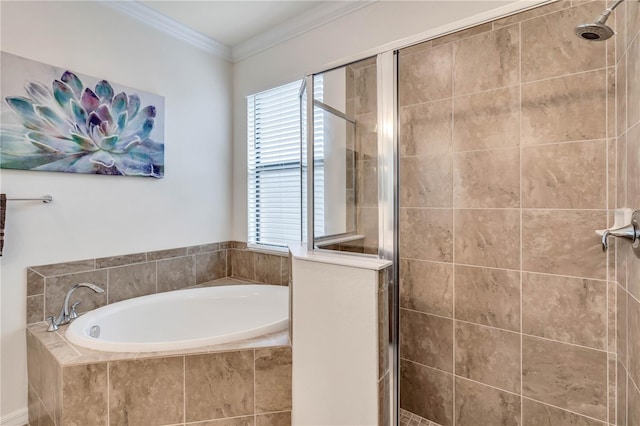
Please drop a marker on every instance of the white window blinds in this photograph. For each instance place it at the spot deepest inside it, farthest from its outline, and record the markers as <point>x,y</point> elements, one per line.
<point>274,185</point>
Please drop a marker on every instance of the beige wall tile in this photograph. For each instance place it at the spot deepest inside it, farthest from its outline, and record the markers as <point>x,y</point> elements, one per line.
<point>571,310</point>
<point>532,13</point>
<point>84,391</point>
<point>133,384</point>
<point>365,89</point>
<point>366,143</point>
<point>633,167</point>
<point>130,281</point>
<point>460,35</point>
<point>633,82</point>
<point>477,404</point>
<point>35,283</point>
<point>487,120</point>
<point>633,271</point>
<point>486,61</point>
<point>425,75</point>
<point>367,183</point>
<point>205,248</point>
<point>621,96</point>
<point>633,339</point>
<point>176,273</point>
<point>243,264</point>
<point>125,259</point>
<point>476,183</point>
<point>425,181</point>
<point>426,129</point>
<point>268,268</point>
<point>167,254</point>
<point>426,339</point>
<point>611,176</point>
<point>632,20</point>
<point>488,296</point>
<point>235,421</point>
<point>56,288</point>
<point>612,388</point>
<point>555,110</point>
<point>274,419</point>
<point>621,321</point>
<point>621,171</point>
<point>426,287</point>
<point>273,380</point>
<point>633,407</point>
<point>537,414</point>
<point>488,355</point>
<point>426,234</point>
<point>621,395</point>
<point>550,47</point>
<point>367,225</point>
<point>65,268</point>
<point>35,309</point>
<point>552,246</point>
<point>488,238</point>
<point>565,176</point>
<point>565,376</point>
<point>219,385</point>
<point>211,266</point>
<point>426,392</point>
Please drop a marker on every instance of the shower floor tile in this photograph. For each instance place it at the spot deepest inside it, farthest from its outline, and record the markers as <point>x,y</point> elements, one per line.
<point>407,418</point>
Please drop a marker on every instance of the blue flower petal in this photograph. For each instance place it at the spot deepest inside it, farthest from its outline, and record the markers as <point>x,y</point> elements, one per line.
<point>119,104</point>
<point>62,93</point>
<point>104,91</point>
<point>51,144</point>
<point>25,109</point>
<point>56,122</point>
<point>74,82</point>
<point>134,106</point>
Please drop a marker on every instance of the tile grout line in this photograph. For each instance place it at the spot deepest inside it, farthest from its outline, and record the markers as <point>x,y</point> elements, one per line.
<point>520,210</point>
<point>184,389</point>
<point>607,195</point>
<point>453,232</point>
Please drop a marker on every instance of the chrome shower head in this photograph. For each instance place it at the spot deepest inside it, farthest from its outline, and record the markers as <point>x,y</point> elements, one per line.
<point>599,30</point>
<point>594,32</point>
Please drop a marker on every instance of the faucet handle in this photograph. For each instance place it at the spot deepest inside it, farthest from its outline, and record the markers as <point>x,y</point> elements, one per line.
<point>52,324</point>
<point>73,314</point>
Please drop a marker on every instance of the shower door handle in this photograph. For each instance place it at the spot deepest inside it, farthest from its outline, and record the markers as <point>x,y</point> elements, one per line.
<point>630,232</point>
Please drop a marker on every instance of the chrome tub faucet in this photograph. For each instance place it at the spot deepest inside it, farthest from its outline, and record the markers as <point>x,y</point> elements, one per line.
<point>69,314</point>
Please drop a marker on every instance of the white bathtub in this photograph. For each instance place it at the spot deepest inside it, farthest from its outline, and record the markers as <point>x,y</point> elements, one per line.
<point>184,319</point>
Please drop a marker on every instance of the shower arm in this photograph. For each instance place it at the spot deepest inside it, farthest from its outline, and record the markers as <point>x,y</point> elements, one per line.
<point>605,15</point>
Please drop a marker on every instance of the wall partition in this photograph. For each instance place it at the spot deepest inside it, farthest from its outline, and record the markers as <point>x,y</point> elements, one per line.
<point>349,151</point>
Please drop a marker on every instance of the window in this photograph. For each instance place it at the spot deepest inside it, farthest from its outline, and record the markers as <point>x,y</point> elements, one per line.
<point>274,184</point>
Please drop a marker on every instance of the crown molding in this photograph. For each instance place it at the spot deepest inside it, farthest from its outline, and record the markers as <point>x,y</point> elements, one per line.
<point>307,21</point>
<point>162,23</point>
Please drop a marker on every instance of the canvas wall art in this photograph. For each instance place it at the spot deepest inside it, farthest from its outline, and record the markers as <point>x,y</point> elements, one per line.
<point>53,119</point>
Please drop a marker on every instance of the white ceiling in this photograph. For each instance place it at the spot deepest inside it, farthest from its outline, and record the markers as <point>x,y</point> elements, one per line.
<point>233,22</point>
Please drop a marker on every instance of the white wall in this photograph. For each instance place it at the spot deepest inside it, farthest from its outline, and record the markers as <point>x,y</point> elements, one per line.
<point>361,32</point>
<point>95,216</point>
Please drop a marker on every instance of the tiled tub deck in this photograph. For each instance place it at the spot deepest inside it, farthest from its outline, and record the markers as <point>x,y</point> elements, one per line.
<point>245,383</point>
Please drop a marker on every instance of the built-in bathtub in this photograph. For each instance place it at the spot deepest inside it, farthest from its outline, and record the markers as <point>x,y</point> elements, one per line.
<point>214,374</point>
<point>184,319</point>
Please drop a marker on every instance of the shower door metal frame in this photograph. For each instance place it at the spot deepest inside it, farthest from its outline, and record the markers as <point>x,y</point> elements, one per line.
<point>388,194</point>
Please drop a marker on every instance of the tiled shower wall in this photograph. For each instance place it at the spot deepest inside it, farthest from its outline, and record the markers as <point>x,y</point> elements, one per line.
<point>507,146</point>
<point>138,274</point>
<point>628,195</point>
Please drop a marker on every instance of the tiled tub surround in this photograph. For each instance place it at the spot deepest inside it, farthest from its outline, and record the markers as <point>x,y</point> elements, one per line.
<point>627,194</point>
<point>241,383</point>
<point>70,385</point>
<point>132,275</point>
<point>508,147</point>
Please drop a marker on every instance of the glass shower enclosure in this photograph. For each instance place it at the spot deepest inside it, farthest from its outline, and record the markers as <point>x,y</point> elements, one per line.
<point>349,172</point>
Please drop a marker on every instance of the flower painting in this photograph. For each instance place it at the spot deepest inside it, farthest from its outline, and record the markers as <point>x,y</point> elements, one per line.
<point>55,120</point>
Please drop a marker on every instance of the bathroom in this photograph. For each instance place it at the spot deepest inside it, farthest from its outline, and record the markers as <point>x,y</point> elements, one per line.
<point>474,345</point>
